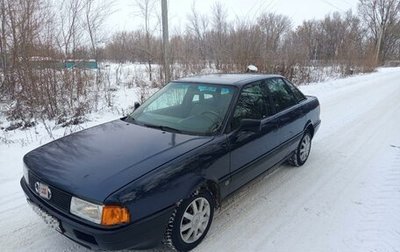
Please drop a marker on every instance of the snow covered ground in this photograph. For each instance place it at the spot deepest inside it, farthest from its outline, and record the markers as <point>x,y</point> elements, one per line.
<point>345,198</point>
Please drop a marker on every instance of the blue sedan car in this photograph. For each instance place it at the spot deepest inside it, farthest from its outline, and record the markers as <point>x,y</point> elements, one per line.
<point>157,175</point>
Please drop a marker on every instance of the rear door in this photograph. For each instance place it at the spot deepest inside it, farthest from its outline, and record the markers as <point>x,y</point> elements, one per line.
<point>290,114</point>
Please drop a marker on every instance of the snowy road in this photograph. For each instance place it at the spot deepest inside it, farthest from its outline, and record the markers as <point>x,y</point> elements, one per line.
<point>345,198</point>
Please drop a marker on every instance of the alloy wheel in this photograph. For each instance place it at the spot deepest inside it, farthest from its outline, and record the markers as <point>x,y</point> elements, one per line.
<point>195,220</point>
<point>305,147</point>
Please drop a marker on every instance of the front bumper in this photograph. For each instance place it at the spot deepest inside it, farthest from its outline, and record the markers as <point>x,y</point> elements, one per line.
<point>146,233</point>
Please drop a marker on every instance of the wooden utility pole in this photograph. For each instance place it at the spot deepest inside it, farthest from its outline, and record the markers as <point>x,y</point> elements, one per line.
<point>164,11</point>
<point>3,43</point>
<point>379,46</point>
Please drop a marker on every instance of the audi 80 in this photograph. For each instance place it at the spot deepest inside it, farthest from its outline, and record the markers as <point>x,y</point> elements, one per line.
<point>158,174</point>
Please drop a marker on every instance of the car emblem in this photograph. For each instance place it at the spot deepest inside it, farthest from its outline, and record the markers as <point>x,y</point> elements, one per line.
<point>43,190</point>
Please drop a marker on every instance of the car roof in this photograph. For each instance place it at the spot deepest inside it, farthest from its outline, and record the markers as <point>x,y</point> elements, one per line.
<point>227,79</point>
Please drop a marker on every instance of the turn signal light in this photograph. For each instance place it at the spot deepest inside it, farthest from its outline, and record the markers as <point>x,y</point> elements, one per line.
<point>114,215</point>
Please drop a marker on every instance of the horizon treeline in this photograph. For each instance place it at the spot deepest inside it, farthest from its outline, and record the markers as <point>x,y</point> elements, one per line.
<point>36,35</point>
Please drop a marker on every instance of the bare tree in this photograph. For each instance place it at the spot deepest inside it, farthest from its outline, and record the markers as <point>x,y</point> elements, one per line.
<point>380,17</point>
<point>96,12</point>
<point>274,28</point>
<point>246,43</point>
<point>198,25</point>
<point>70,31</point>
<point>146,10</point>
<point>219,34</point>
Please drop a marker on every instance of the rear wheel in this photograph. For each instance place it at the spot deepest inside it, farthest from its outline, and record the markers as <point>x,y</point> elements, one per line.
<point>190,222</point>
<point>302,152</point>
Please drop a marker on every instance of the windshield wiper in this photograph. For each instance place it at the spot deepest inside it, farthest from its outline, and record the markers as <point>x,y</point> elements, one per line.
<point>163,128</point>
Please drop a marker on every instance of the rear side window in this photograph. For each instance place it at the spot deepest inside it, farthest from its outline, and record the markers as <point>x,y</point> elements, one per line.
<point>299,95</point>
<point>281,94</point>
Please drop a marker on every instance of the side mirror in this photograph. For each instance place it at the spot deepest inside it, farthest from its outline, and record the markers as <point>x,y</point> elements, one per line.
<point>136,105</point>
<point>250,125</point>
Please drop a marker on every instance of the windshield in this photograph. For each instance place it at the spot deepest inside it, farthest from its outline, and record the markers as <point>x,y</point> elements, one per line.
<point>186,107</point>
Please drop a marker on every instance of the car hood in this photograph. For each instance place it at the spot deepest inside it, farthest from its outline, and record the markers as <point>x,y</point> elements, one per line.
<point>96,162</point>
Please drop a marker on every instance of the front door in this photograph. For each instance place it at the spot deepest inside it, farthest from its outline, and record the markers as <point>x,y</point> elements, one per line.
<point>250,149</point>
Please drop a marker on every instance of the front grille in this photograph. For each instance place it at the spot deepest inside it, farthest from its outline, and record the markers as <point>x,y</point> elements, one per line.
<point>59,199</point>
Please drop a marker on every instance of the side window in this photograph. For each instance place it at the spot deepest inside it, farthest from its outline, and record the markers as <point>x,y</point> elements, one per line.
<point>299,95</point>
<point>281,94</point>
<point>252,104</point>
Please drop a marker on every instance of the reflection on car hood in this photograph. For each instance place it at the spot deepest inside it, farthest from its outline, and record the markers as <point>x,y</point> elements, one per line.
<point>98,161</point>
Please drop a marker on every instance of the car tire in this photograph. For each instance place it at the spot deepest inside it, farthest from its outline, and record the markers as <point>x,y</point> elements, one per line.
<point>190,222</point>
<point>302,152</point>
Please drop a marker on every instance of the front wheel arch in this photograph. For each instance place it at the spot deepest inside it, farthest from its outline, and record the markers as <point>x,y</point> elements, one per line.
<point>213,188</point>
<point>207,185</point>
<point>173,235</point>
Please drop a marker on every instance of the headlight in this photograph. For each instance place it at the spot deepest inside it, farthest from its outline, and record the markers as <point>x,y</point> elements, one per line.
<point>100,214</point>
<point>86,210</point>
<point>25,171</point>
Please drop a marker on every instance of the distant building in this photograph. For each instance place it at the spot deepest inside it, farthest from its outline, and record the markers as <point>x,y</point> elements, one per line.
<point>47,62</point>
<point>81,64</point>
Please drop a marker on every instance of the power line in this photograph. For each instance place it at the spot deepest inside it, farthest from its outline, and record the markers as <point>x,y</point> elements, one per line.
<point>252,8</point>
<point>350,4</point>
<point>262,8</point>
<point>331,4</point>
<point>273,4</point>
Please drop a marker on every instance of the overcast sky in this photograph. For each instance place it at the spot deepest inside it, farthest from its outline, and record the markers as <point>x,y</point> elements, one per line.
<point>123,17</point>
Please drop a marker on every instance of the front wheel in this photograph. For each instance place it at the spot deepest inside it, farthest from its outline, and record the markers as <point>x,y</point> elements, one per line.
<point>190,222</point>
<point>302,152</point>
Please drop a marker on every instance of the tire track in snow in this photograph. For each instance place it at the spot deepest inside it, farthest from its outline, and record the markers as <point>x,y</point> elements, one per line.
<point>380,228</point>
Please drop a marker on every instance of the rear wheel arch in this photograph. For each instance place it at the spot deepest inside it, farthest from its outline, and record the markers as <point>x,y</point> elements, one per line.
<point>310,128</point>
<point>300,155</point>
